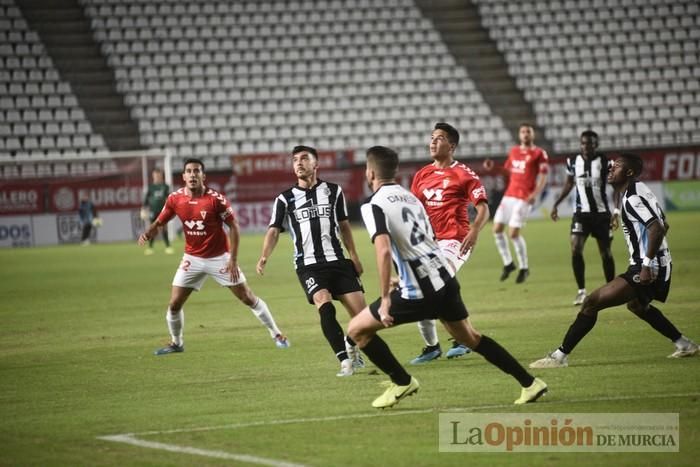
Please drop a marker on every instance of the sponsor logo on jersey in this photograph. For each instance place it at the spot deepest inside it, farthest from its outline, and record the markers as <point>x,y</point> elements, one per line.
<point>479,192</point>
<point>195,227</point>
<point>430,194</point>
<point>518,166</point>
<point>312,212</point>
<point>433,197</point>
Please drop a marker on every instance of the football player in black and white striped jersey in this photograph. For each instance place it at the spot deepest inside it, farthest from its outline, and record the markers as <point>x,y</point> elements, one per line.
<point>400,230</point>
<point>648,276</point>
<point>315,214</point>
<point>588,172</point>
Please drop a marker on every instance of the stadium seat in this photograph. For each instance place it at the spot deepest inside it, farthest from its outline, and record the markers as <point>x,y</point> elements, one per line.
<point>215,59</point>
<point>644,47</point>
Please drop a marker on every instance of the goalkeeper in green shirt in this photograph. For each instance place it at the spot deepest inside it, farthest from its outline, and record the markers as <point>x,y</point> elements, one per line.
<point>156,195</point>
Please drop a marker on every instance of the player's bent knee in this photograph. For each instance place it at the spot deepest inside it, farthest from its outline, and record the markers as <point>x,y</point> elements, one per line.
<point>321,297</point>
<point>358,334</point>
<point>590,305</point>
<point>635,307</point>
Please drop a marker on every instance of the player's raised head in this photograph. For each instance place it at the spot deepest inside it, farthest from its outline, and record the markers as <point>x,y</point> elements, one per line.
<point>450,132</point>
<point>625,168</point>
<point>632,163</point>
<point>307,149</point>
<point>383,162</point>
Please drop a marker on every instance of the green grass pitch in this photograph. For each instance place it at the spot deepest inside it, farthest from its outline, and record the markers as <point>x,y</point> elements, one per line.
<point>78,326</point>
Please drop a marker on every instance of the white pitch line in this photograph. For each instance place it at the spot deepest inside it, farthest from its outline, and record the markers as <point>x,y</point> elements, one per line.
<point>129,439</point>
<point>288,421</point>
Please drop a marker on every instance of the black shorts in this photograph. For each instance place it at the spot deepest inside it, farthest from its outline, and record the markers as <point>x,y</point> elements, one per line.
<point>595,224</point>
<point>338,277</point>
<point>657,290</point>
<point>446,304</point>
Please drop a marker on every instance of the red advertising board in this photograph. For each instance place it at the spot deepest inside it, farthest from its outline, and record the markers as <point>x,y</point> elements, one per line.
<point>260,177</point>
<point>21,198</point>
<point>105,194</point>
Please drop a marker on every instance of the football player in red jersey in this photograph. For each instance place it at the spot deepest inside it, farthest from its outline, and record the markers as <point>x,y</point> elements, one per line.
<point>209,251</point>
<point>446,187</point>
<point>528,167</point>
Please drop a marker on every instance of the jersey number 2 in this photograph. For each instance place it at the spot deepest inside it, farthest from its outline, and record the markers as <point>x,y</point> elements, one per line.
<point>417,236</point>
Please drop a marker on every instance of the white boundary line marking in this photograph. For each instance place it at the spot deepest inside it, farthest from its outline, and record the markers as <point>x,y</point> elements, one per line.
<point>132,438</point>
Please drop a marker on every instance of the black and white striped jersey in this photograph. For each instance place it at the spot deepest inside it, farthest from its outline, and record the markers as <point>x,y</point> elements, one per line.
<point>421,266</point>
<point>639,209</point>
<point>311,216</point>
<point>590,179</point>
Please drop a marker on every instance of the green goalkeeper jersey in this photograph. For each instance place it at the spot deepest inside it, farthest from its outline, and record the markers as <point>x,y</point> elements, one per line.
<point>156,196</point>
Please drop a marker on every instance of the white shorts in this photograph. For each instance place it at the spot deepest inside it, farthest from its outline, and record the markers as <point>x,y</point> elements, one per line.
<point>450,249</point>
<point>512,211</point>
<point>194,270</point>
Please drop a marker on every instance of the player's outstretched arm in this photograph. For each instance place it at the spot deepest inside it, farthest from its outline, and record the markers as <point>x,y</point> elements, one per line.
<point>271,238</point>
<point>349,242</point>
<point>150,232</point>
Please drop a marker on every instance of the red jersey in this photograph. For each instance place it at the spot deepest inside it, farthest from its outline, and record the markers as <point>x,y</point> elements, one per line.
<point>203,219</point>
<point>524,164</point>
<point>445,193</point>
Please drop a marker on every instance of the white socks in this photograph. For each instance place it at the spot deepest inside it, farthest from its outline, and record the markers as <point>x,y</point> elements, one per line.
<point>262,312</point>
<point>518,244</point>
<point>559,355</point>
<point>428,331</point>
<point>176,322</point>
<point>520,251</point>
<point>502,246</point>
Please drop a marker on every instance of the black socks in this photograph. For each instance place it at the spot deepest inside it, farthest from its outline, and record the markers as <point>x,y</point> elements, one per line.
<point>332,330</point>
<point>577,331</point>
<point>501,358</point>
<point>380,354</point>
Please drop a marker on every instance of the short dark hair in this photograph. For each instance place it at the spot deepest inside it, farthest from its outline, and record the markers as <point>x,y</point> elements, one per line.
<point>302,148</point>
<point>633,162</point>
<point>590,134</point>
<point>527,124</point>
<point>452,133</point>
<point>158,170</point>
<point>385,160</point>
<point>193,160</point>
